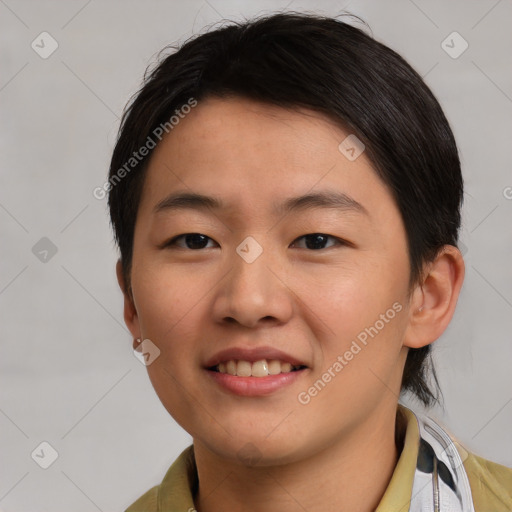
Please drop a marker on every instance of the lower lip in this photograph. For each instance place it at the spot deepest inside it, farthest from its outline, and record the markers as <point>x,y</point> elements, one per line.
<point>255,386</point>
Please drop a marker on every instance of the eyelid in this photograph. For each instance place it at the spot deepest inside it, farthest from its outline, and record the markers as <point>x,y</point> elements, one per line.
<point>172,241</point>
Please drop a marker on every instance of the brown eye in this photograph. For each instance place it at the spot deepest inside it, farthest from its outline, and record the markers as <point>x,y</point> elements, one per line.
<point>316,241</point>
<point>192,241</point>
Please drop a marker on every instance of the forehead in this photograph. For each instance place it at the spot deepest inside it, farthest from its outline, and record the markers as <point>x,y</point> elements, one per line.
<point>256,156</point>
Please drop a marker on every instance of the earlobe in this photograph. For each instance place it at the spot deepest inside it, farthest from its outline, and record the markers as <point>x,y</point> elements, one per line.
<point>433,302</point>
<point>130,312</point>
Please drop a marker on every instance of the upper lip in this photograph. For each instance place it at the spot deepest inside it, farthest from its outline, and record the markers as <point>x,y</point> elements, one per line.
<point>252,355</point>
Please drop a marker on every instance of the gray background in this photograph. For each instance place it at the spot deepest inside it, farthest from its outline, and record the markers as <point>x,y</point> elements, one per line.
<point>68,374</point>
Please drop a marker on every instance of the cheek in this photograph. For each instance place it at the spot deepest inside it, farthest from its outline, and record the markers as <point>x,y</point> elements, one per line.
<point>163,298</point>
<point>168,317</point>
<point>167,307</point>
<point>362,310</point>
<point>361,368</point>
<point>348,298</point>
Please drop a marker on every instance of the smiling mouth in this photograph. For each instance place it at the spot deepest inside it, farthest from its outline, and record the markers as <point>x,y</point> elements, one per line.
<point>261,368</point>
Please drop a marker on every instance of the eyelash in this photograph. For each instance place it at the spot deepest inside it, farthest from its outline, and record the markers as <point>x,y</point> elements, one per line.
<point>172,242</point>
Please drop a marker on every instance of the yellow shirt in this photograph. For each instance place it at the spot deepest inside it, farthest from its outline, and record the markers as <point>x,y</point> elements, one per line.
<point>491,483</point>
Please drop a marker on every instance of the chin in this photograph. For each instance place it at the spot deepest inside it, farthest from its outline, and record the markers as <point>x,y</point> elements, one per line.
<point>258,449</point>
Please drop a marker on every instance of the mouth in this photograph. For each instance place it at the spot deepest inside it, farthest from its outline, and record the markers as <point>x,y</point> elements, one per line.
<point>254,371</point>
<point>260,368</point>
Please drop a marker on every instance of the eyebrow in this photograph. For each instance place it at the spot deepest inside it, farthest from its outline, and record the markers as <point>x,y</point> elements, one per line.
<point>327,199</point>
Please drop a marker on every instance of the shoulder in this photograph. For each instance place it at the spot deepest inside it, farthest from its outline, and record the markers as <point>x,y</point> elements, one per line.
<point>147,502</point>
<point>491,484</point>
<point>175,492</point>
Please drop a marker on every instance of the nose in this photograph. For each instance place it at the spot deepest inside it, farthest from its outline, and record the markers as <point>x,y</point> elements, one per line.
<point>254,290</point>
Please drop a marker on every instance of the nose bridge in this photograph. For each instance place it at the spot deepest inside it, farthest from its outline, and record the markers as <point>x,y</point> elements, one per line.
<point>250,274</point>
<point>252,291</point>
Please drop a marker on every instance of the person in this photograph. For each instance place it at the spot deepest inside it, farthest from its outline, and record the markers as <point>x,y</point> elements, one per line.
<point>285,194</point>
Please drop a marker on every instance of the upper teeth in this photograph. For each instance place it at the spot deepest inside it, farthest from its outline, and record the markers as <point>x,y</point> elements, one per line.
<point>260,368</point>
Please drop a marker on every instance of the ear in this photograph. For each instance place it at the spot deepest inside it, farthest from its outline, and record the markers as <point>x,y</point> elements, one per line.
<point>131,318</point>
<point>433,301</point>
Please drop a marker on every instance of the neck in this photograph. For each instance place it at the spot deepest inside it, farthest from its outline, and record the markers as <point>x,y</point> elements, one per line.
<point>350,474</point>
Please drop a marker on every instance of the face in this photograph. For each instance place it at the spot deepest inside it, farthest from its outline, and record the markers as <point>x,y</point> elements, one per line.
<point>226,288</point>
